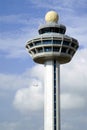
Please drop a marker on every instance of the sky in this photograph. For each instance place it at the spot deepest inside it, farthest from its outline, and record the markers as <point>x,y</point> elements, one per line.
<point>21,103</point>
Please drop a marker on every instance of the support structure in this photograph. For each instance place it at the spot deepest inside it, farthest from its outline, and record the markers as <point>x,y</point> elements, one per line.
<point>52,95</point>
<point>52,48</point>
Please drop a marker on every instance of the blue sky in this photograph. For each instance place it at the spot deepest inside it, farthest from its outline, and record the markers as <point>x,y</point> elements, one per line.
<point>21,104</point>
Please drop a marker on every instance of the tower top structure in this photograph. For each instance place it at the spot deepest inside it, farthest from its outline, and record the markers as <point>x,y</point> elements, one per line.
<point>51,16</point>
<point>52,43</point>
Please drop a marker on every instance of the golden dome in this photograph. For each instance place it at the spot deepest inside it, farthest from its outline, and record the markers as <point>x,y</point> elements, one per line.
<point>51,16</point>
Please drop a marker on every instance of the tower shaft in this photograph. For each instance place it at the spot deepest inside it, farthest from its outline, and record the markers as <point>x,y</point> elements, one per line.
<point>52,95</point>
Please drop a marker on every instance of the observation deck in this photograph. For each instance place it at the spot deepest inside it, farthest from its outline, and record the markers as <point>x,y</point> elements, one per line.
<point>52,43</point>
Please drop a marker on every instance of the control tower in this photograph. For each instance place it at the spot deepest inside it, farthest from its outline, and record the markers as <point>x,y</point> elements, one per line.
<point>52,48</point>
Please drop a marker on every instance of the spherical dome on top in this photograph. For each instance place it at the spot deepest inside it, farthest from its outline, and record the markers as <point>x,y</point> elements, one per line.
<point>51,16</point>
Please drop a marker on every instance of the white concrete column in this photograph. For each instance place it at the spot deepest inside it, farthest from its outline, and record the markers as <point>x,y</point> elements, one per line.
<point>49,96</point>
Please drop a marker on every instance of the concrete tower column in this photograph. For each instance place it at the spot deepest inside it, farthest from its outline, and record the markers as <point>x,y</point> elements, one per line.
<point>52,95</point>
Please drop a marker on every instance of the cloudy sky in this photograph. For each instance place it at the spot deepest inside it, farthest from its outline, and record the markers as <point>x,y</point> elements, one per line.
<point>21,103</point>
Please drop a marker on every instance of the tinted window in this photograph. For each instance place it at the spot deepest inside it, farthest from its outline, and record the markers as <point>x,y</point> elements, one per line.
<point>56,42</point>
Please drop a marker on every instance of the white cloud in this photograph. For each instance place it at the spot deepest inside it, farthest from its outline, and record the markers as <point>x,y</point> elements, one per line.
<point>23,19</point>
<point>14,47</point>
<point>28,85</point>
<point>76,73</point>
<point>61,5</point>
<point>15,81</point>
<point>71,101</point>
<point>8,126</point>
<point>12,43</point>
<point>76,27</point>
<point>29,99</point>
<point>67,126</point>
<point>8,81</point>
<point>14,19</point>
<point>73,85</point>
<point>38,71</point>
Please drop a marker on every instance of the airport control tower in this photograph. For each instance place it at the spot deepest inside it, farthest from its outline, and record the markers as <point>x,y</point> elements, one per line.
<point>52,48</point>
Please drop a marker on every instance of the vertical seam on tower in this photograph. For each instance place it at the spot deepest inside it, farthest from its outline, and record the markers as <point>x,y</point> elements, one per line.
<point>54,95</point>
